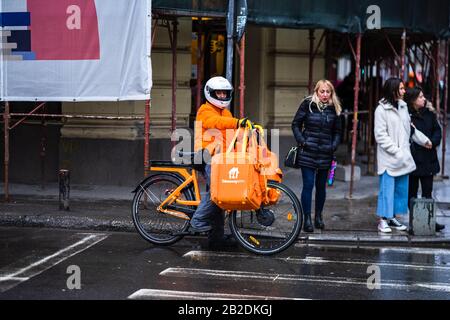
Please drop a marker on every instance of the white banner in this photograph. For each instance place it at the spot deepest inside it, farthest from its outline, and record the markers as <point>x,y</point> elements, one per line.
<point>75,50</point>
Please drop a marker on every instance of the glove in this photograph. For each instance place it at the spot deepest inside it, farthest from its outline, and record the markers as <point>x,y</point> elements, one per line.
<point>242,123</point>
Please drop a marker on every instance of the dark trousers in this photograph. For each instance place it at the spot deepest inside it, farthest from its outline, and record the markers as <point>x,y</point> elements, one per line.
<point>310,178</point>
<point>208,213</point>
<point>427,187</point>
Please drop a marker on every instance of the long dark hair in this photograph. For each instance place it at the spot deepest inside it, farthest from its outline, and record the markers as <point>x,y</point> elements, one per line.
<point>391,89</point>
<point>411,95</point>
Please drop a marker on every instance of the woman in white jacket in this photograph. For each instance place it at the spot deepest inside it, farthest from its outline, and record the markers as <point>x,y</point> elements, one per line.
<point>392,133</point>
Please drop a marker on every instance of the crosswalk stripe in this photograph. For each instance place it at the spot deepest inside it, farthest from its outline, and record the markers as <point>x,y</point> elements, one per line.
<point>192,295</point>
<point>290,278</point>
<point>424,251</point>
<point>14,279</point>
<point>196,254</point>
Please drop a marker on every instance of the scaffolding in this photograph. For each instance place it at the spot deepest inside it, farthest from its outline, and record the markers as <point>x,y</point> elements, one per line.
<point>419,30</point>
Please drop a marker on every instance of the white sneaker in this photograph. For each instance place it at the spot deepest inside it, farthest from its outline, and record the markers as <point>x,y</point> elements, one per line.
<point>394,223</point>
<point>383,226</point>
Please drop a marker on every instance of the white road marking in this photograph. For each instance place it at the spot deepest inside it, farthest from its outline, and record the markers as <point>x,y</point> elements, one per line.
<point>290,278</point>
<point>194,254</point>
<point>13,279</point>
<point>400,265</point>
<point>425,251</point>
<point>192,295</point>
<point>10,279</point>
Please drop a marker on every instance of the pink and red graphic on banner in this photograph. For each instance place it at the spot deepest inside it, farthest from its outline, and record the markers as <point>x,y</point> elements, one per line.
<point>64,29</point>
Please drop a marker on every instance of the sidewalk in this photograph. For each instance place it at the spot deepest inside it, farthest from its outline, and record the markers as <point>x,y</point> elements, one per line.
<point>109,208</point>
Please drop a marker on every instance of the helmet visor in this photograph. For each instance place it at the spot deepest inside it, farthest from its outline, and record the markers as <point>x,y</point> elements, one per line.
<point>222,95</point>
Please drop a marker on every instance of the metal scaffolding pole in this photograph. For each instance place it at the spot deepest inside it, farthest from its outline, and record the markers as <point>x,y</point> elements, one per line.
<point>147,114</point>
<point>370,124</point>
<point>6,155</point>
<point>444,140</point>
<point>147,137</point>
<point>199,65</point>
<point>355,110</point>
<point>436,80</point>
<point>174,75</point>
<point>242,77</point>
<point>403,56</point>
<point>230,41</point>
<point>311,60</point>
<point>43,148</point>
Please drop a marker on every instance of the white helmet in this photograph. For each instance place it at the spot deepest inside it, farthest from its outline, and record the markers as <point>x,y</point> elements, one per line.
<point>221,84</point>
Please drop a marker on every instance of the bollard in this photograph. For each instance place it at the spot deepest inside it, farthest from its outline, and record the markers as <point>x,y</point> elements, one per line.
<point>422,217</point>
<point>64,189</point>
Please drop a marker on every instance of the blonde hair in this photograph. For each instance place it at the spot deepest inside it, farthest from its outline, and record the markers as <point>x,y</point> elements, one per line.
<point>334,98</point>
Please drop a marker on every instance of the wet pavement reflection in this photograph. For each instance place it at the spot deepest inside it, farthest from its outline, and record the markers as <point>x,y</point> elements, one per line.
<point>34,264</point>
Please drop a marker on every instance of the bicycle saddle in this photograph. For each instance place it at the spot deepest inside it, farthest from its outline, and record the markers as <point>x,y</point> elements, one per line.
<point>195,159</point>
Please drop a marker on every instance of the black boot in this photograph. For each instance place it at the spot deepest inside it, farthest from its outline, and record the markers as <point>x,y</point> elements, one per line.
<point>318,222</point>
<point>308,227</point>
<point>439,227</point>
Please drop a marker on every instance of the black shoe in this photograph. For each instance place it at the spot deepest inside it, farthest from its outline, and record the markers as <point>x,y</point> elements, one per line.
<point>200,229</point>
<point>439,227</point>
<point>308,227</point>
<point>226,242</point>
<point>318,222</point>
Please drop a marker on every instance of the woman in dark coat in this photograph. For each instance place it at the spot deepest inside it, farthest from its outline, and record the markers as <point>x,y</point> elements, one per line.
<point>317,130</point>
<point>424,119</point>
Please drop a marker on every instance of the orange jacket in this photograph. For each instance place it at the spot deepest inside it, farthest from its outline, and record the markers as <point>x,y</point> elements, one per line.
<point>209,118</point>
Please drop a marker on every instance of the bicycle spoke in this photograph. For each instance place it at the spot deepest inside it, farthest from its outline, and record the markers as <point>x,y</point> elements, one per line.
<point>149,196</point>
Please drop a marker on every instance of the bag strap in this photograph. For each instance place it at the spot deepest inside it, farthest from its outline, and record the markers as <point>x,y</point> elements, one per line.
<point>260,144</point>
<point>244,143</point>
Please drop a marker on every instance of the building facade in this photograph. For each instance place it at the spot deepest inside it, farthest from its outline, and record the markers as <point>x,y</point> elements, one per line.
<point>111,151</point>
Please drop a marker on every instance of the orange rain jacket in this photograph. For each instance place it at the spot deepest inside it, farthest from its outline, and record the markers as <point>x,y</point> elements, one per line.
<point>211,128</point>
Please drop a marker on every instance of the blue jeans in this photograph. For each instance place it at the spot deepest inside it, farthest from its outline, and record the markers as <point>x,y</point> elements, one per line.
<point>208,213</point>
<point>393,196</point>
<point>310,176</point>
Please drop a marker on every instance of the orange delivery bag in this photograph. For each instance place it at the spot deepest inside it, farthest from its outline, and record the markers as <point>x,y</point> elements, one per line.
<point>235,178</point>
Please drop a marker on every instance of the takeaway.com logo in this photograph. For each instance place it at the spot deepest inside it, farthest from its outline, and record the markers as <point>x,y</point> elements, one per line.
<point>49,30</point>
<point>233,174</point>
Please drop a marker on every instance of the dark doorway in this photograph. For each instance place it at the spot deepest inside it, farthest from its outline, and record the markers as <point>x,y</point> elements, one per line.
<point>214,46</point>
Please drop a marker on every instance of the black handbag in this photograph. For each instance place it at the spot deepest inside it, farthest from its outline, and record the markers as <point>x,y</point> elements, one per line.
<point>291,158</point>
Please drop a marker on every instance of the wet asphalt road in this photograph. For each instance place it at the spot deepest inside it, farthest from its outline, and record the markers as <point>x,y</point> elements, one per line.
<point>34,264</point>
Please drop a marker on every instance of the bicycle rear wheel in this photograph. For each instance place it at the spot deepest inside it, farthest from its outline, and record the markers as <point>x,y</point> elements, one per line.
<point>154,226</point>
<point>271,229</point>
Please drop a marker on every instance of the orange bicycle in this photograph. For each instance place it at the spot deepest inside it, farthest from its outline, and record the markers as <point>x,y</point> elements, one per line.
<point>165,201</point>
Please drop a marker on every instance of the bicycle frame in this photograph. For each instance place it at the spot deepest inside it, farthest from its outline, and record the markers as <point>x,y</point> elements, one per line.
<point>173,197</point>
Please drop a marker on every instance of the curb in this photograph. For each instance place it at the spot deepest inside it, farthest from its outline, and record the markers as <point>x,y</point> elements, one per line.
<point>64,222</point>
<point>126,225</point>
<point>377,240</point>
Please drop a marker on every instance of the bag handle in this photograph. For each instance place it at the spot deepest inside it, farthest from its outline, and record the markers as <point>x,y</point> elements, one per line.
<point>244,143</point>
<point>257,147</point>
<point>261,142</point>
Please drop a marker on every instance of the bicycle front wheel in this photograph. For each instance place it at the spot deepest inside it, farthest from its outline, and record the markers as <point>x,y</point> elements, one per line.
<point>154,226</point>
<point>270,229</point>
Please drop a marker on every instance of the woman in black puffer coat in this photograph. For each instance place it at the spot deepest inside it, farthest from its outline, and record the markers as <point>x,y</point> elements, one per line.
<point>424,119</point>
<point>317,130</point>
